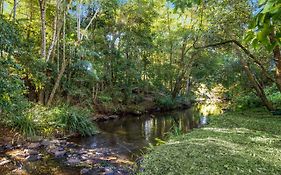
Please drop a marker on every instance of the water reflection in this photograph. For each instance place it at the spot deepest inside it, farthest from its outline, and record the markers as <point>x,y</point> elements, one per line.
<point>129,135</point>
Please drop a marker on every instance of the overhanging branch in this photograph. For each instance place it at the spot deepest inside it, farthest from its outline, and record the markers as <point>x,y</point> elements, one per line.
<point>246,51</point>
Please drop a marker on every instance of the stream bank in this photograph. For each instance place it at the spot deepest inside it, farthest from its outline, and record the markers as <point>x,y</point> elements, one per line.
<point>246,142</point>
<point>113,151</point>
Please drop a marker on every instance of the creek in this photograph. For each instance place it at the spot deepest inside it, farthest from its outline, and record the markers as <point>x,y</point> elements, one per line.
<point>119,144</point>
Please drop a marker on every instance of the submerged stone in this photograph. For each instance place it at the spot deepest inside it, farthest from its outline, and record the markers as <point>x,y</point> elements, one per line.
<point>85,171</point>
<point>59,154</point>
<point>4,161</point>
<point>73,161</point>
<point>34,145</point>
<point>46,142</point>
<point>32,152</point>
<point>32,158</point>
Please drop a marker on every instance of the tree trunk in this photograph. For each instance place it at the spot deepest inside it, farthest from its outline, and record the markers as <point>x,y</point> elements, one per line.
<point>277,60</point>
<point>63,67</point>
<point>1,7</point>
<point>42,5</point>
<point>78,15</point>
<point>15,9</point>
<point>256,85</point>
<point>56,29</point>
<point>56,86</point>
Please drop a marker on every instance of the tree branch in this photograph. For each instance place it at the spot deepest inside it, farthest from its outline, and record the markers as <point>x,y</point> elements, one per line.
<point>246,51</point>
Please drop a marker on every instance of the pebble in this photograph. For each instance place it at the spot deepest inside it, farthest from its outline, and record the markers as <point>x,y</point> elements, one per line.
<point>85,171</point>
<point>34,145</point>
<point>46,142</point>
<point>60,154</point>
<point>4,161</point>
<point>8,146</point>
<point>32,158</point>
<point>108,171</point>
<point>32,152</point>
<point>73,161</point>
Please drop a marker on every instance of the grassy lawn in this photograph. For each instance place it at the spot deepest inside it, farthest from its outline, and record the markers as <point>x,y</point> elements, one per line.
<point>246,142</point>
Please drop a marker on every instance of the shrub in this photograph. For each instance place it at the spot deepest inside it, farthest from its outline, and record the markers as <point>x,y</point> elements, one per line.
<point>45,121</point>
<point>274,95</point>
<point>165,102</point>
<point>77,120</point>
<point>25,124</point>
<point>245,101</point>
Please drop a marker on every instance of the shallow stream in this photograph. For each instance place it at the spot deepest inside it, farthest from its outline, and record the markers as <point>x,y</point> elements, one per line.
<point>124,139</point>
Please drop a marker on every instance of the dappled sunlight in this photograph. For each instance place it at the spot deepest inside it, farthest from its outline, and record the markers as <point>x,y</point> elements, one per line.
<point>233,147</point>
<point>173,143</point>
<point>265,140</point>
<point>211,101</point>
<point>229,130</point>
<point>210,109</point>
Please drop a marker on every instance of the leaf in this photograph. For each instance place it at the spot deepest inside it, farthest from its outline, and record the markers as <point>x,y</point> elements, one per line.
<point>268,7</point>
<point>262,2</point>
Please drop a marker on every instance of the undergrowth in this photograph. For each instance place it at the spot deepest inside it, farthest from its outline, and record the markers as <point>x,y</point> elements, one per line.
<point>40,120</point>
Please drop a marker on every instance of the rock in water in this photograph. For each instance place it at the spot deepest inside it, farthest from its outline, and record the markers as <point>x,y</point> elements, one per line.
<point>33,158</point>
<point>73,161</point>
<point>32,152</point>
<point>34,145</point>
<point>85,171</point>
<point>4,161</point>
<point>60,154</point>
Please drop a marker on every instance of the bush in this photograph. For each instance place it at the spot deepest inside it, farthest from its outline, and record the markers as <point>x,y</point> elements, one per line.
<point>165,102</point>
<point>245,101</point>
<point>77,120</point>
<point>45,121</point>
<point>274,95</point>
<point>24,124</point>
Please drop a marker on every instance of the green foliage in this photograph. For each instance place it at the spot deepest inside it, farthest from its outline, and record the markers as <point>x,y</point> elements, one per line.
<point>165,101</point>
<point>12,88</point>
<point>9,36</point>
<point>25,124</point>
<point>245,101</point>
<point>265,25</point>
<point>274,96</point>
<point>77,120</point>
<point>40,120</point>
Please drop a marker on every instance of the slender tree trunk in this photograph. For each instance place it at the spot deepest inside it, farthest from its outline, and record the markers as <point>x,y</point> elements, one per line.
<point>277,60</point>
<point>256,85</point>
<point>15,9</point>
<point>57,83</point>
<point>56,30</point>
<point>1,7</point>
<point>185,69</point>
<point>42,6</point>
<point>63,67</point>
<point>78,16</point>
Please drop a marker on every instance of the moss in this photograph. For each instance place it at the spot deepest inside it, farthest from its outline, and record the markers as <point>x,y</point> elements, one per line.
<point>233,143</point>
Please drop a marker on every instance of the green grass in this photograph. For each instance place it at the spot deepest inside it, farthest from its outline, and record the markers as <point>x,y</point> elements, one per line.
<point>233,143</point>
<point>41,120</point>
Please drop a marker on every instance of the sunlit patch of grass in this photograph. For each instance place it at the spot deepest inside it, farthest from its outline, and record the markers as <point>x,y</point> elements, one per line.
<point>233,143</point>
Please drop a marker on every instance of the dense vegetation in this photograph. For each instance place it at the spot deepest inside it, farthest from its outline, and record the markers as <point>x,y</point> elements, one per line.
<point>64,61</point>
<point>116,56</point>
